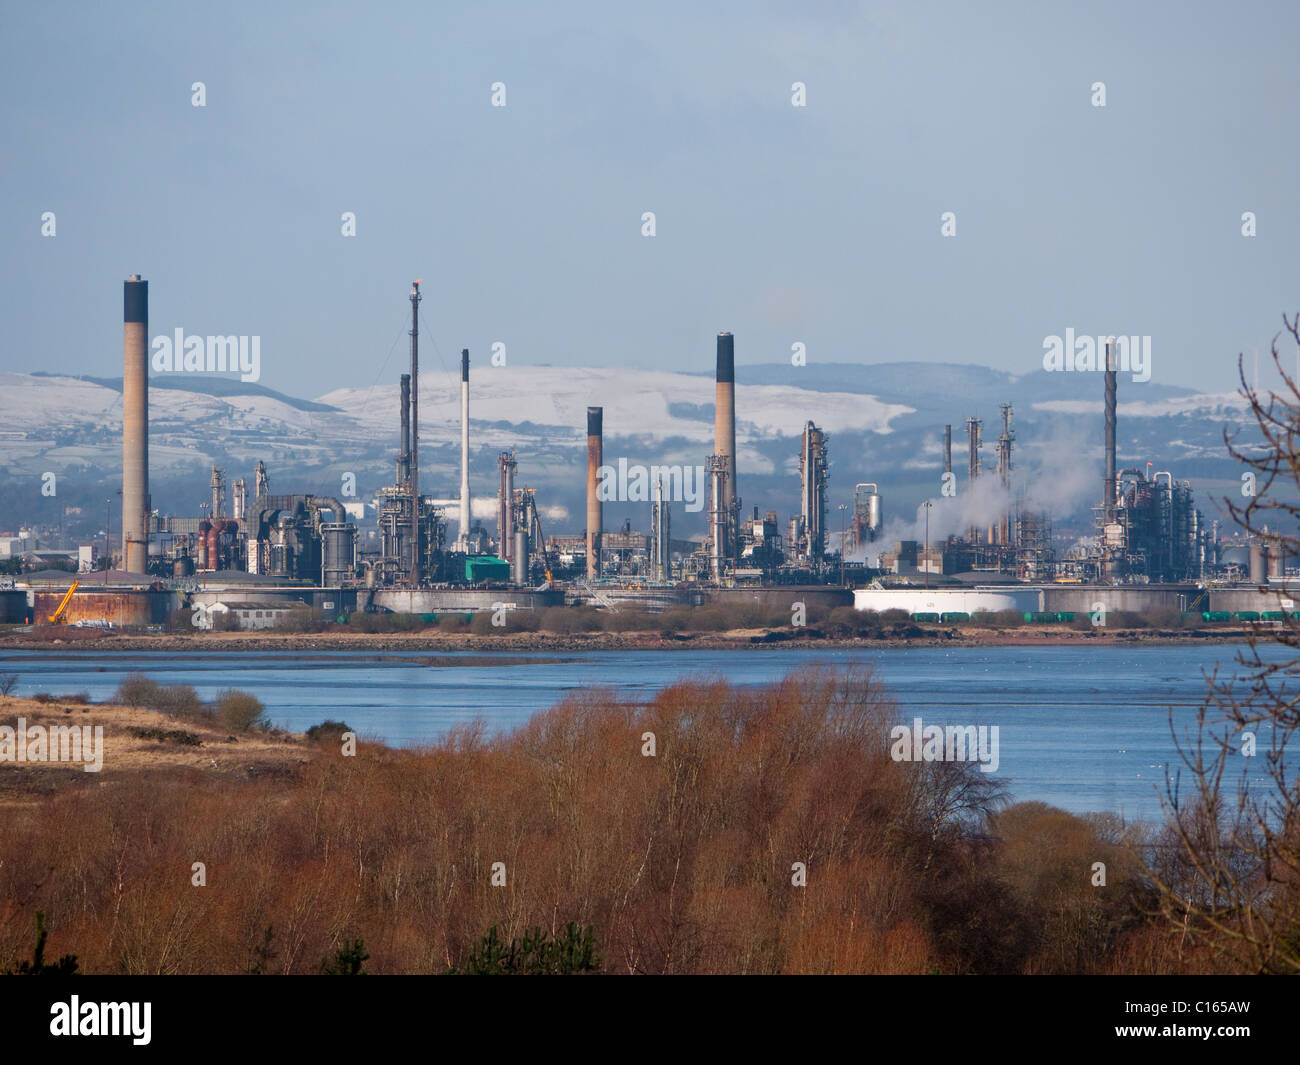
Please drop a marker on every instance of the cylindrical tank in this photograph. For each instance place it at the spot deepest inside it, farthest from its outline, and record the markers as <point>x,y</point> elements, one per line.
<point>520,561</point>
<point>282,553</point>
<point>183,566</point>
<point>873,514</point>
<point>214,543</point>
<point>1275,560</point>
<point>281,559</point>
<point>1256,562</point>
<point>205,527</point>
<point>338,542</point>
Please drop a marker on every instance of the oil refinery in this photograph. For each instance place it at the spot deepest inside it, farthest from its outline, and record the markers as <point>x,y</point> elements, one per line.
<point>263,555</point>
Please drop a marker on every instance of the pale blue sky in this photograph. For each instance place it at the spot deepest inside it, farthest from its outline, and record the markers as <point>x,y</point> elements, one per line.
<point>818,225</point>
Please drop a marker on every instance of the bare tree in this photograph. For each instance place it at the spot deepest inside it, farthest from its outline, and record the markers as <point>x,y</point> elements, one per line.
<point>7,682</point>
<point>1228,865</point>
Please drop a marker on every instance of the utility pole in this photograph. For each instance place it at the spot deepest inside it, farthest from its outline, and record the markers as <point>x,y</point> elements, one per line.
<point>108,537</point>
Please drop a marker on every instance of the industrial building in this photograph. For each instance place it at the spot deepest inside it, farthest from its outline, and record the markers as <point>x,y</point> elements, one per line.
<point>262,556</point>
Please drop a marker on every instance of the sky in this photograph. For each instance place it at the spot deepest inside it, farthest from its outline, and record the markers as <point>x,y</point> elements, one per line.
<point>817,225</point>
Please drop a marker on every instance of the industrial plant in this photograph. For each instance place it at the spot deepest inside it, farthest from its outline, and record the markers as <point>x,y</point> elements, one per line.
<point>261,555</point>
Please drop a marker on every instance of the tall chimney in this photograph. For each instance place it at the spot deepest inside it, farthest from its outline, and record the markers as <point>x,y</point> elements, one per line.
<point>464,446</point>
<point>1108,489</point>
<point>724,432</point>
<point>135,425</point>
<point>595,447</point>
<point>414,573</point>
<point>404,455</point>
<point>947,449</point>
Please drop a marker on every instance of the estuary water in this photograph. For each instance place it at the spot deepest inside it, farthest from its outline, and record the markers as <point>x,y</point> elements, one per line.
<point>1086,728</point>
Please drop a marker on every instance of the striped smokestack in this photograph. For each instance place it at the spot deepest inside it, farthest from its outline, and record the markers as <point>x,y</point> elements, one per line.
<point>595,447</point>
<point>135,425</point>
<point>724,430</point>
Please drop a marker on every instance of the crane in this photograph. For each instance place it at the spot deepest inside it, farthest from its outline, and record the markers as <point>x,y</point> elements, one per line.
<point>57,617</point>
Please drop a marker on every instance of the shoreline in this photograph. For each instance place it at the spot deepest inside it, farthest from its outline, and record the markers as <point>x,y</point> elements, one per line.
<point>735,640</point>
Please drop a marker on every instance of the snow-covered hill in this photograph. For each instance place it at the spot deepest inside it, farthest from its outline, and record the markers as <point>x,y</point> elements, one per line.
<point>885,423</point>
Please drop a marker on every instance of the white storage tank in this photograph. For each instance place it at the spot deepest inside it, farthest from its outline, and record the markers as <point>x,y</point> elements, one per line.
<point>949,600</point>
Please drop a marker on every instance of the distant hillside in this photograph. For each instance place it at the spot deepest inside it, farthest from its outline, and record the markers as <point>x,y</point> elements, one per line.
<point>885,424</point>
<point>204,384</point>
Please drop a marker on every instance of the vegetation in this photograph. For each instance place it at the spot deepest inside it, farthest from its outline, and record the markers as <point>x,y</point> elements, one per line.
<point>136,691</point>
<point>65,966</point>
<point>1000,619</point>
<point>167,735</point>
<point>239,711</point>
<point>563,835</point>
<point>347,960</point>
<point>1165,617</point>
<point>328,730</point>
<point>535,955</point>
<point>178,700</point>
<point>235,711</point>
<point>80,698</point>
<point>385,623</point>
<point>1228,865</point>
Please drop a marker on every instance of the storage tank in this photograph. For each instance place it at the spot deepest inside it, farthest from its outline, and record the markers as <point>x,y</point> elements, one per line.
<point>281,560</point>
<point>338,542</point>
<point>949,600</point>
<point>1275,561</point>
<point>13,606</point>
<point>520,560</point>
<point>214,543</point>
<point>866,513</point>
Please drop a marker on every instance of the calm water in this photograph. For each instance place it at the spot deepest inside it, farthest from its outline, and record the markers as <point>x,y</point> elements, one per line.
<point>1084,728</point>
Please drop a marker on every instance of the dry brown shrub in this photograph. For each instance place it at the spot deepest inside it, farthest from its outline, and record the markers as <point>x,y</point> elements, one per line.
<point>682,861</point>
